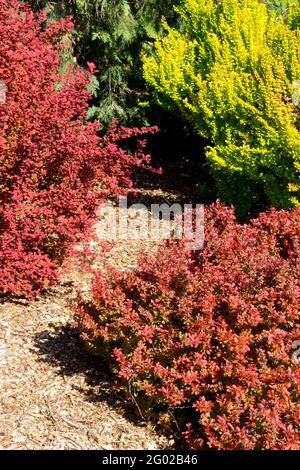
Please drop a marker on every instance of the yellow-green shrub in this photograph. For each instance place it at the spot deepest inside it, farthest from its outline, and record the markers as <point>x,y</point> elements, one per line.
<point>233,72</point>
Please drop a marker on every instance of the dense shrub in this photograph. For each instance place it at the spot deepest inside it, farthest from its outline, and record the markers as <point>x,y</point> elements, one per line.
<point>210,334</point>
<point>232,73</point>
<point>54,169</point>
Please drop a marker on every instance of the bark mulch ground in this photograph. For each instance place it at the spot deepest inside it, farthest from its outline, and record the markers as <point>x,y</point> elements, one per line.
<point>53,394</point>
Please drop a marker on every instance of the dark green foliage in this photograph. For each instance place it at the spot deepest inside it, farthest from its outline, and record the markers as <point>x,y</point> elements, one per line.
<point>112,34</point>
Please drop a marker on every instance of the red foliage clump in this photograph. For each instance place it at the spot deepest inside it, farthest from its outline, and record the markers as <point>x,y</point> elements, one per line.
<point>211,333</point>
<point>54,168</point>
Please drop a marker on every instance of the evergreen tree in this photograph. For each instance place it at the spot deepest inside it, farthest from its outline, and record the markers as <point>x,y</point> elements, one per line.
<point>112,34</point>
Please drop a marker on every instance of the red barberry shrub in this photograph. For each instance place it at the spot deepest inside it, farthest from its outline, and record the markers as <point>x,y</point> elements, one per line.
<point>210,334</point>
<point>54,168</point>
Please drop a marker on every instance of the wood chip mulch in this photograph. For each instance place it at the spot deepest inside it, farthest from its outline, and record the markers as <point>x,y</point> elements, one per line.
<point>53,394</point>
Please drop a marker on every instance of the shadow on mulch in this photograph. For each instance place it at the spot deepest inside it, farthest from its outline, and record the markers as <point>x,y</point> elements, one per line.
<point>180,153</point>
<point>13,299</point>
<point>64,349</point>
